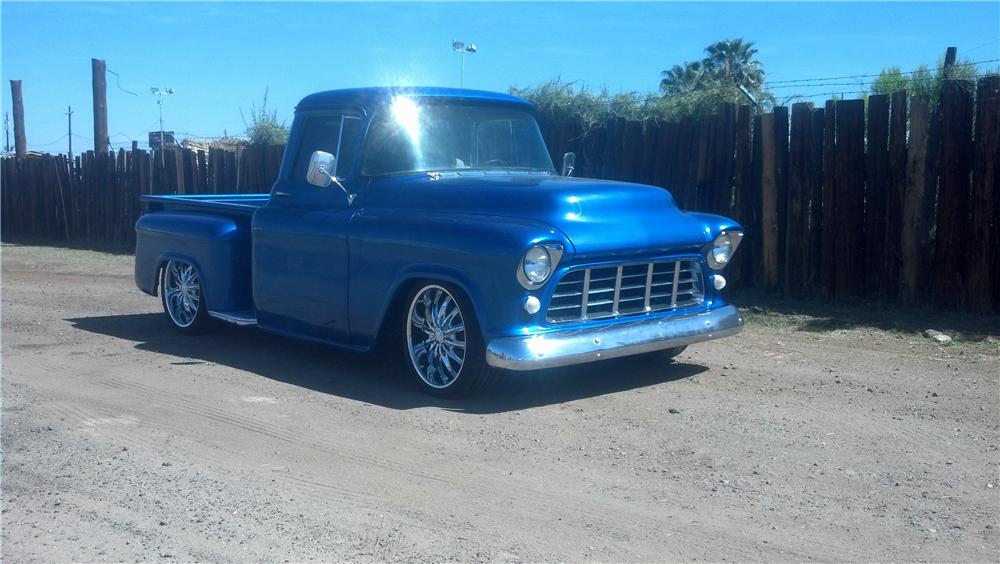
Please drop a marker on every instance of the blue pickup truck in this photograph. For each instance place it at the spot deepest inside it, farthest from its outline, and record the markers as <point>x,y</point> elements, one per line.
<point>430,223</point>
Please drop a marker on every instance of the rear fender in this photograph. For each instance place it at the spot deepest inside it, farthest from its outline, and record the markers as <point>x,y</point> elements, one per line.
<point>218,247</point>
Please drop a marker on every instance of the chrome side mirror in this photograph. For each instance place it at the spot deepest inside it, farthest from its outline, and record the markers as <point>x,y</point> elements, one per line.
<point>569,164</point>
<point>320,165</point>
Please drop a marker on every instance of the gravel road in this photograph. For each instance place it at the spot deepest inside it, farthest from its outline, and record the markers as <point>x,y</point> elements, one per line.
<point>797,440</point>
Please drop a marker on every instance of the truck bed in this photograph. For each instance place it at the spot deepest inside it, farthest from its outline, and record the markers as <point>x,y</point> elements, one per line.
<point>211,231</point>
<point>227,204</point>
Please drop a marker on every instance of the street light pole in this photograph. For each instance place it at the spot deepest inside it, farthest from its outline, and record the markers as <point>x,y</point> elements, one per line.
<point>160,94</point>
<point>462,49</point>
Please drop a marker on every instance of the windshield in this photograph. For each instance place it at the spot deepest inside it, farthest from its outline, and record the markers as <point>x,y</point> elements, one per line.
<point>413,135</point>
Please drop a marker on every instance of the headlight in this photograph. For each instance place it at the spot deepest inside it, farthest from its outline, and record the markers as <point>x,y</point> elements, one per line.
<point>538,265</point>
<point>723,248</point>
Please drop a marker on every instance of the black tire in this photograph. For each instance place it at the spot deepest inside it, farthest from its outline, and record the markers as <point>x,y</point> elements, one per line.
<point>473,374</point>
<point>179,316</point>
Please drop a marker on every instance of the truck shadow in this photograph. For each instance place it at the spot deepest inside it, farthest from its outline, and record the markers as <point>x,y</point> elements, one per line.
<point>369,378</point>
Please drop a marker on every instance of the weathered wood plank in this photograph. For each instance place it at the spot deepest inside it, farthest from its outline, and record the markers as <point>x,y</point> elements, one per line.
<point>896,195</point>
<point>769,205</point>
<point>850,185</point>
<point>650,135</point>
<point>781,122</point>
<point>913,230</point>
<point>797,256</point>
<point>666,152</point>
<point>815,202</point>
<point>631,151</point>
<point>876,195</point>
<point>742,209</point>
<point>952,230</point>
<point>828,239</point>
<point>984,261</point>
<point>755,245</point>
<point>723,165</point>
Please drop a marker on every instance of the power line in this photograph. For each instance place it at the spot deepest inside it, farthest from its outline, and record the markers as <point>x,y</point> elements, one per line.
<point>981,45</point>
<point>65,135</point>
<point>118,82</point>
<point>769,83</point>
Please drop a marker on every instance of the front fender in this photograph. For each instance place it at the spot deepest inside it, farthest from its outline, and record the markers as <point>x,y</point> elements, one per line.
<point>478,253</point>
<point>713,224</point>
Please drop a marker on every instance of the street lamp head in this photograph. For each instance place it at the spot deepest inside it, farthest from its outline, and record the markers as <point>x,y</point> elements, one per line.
<point>170,90</point>
<point>471,48</point>
<point>154,90</point>
<point>458,45</point>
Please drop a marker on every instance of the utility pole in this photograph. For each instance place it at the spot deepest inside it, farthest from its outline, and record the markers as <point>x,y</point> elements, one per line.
<point>69,114</point>
<point>100,88</point>
<point>20,145</point>
<point>950,56</point>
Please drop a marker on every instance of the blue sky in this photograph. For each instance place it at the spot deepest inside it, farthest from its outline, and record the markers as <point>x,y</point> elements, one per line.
<point>220,57</point>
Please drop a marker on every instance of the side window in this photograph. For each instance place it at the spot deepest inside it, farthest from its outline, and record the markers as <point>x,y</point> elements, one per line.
<point>350,138</point>
<point>324,133</point>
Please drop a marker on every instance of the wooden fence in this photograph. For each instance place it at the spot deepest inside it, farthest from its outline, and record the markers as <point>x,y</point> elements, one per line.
<point>891,199</point>
<point>96,198</point>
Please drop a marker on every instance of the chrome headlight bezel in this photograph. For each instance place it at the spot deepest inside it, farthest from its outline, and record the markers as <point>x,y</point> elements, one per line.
<point>553,252</point>
<point>720,252</point>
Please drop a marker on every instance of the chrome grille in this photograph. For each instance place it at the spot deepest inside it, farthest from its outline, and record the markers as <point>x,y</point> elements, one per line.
<point>612,291</point>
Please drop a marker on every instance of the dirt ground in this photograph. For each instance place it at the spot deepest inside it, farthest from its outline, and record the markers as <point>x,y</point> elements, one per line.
<point>832,436</point>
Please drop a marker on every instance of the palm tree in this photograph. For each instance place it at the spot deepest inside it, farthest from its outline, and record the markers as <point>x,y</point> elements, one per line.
<point>732,60</point>
<point>681,79</point>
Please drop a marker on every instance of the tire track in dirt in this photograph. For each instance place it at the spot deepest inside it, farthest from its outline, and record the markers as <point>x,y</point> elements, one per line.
<point>99,414</point>
<point>930,443</point>
<point>606,516</point>
<point>595,512</point>
<point>102,414</point>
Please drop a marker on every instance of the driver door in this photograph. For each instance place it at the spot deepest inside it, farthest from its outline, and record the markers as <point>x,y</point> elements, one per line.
<point>300,251</point>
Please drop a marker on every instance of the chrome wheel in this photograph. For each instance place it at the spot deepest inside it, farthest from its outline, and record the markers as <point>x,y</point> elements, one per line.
<point>436,337</point>
<point>181,293</point>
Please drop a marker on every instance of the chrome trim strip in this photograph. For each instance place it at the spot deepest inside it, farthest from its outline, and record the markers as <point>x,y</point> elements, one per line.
<point>233,318</point>
<point>586,294</point>
<point>649,284</point>
<point>618,291</point>
<point>677,275</point>
<point>575,346</point>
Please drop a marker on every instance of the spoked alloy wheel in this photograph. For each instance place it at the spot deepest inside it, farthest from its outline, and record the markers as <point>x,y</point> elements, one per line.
<point>182,296</point>
<point>435,335</point>
<point>443,343</point>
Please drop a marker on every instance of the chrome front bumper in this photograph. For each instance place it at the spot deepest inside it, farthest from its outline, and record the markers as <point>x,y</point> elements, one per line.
<point>575,346</point>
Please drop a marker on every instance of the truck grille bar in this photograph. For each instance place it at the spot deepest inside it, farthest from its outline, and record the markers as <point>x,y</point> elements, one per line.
<point>613,291</point>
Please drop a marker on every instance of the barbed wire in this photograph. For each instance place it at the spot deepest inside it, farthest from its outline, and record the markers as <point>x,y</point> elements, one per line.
<point>874,75</point>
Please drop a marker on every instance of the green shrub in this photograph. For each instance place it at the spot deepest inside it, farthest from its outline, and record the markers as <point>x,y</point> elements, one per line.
<point>264,127</point>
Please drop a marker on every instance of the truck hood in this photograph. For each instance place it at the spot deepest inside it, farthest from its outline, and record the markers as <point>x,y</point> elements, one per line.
<point>600,218</point>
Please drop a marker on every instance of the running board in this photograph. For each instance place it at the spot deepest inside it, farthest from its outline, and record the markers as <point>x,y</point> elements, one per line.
<point>235,317</point>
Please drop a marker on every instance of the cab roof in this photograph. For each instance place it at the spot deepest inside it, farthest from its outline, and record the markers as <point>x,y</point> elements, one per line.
<point>378,95</point>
